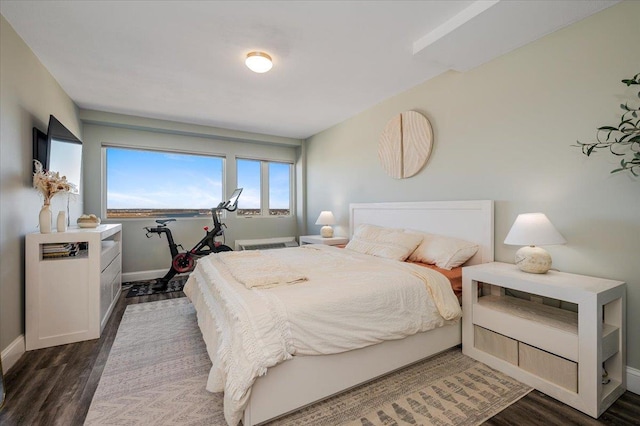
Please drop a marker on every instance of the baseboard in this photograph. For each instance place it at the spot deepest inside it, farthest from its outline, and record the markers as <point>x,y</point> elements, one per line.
<point>143,275</point>
<point>633,380</point>
<point>12,353</point>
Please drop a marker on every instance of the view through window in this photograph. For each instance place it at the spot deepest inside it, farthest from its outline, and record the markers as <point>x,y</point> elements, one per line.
<point>279,189</point>
<point>144,183</point>
<point>249,179</point>
<point>256,198</point>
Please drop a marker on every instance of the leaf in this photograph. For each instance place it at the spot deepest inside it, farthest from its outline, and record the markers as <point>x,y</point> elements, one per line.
<point>590,150</point>
<point>607,128</point>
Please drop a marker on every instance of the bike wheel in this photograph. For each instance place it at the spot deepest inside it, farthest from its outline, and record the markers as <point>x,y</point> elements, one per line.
<point>183,262</point>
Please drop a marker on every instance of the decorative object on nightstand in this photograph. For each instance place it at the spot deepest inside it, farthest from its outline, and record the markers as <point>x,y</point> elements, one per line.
<point>531,230</point>
<point>326,219</point>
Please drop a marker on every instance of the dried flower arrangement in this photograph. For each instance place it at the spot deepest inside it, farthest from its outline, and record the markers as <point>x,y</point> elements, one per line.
<point>49,183</point>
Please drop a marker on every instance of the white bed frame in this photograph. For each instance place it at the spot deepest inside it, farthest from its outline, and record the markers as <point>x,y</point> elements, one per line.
<point>304,380</point>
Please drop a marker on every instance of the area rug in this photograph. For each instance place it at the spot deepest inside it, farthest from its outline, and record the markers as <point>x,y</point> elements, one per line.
<point>145,287</point>
<point>158,366</point>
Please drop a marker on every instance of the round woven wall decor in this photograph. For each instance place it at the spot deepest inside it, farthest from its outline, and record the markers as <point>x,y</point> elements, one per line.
<point>405,144</point>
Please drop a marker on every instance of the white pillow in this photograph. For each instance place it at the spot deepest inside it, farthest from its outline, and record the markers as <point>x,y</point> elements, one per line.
<point>444,252</point>
<point>383,242</point>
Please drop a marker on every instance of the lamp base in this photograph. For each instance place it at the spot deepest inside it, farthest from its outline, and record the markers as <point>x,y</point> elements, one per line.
<point>534,260</point>
<point>326,231</point>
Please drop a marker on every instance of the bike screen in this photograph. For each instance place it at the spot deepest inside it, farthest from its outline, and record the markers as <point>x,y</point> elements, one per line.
<point>233,200</point>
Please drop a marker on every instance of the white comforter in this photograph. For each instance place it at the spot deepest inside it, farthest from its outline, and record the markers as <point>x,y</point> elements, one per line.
<point>348,301</point>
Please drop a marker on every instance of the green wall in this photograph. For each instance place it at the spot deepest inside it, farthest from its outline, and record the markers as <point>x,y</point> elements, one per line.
<point>503,131</point>
<point>28,95</point>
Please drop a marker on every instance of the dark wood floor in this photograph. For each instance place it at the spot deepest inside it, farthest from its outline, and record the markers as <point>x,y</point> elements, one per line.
<point>54,386</point>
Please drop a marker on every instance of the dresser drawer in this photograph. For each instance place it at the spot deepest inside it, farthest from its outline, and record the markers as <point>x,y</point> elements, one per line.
<point>109,250</point>
<point>110,272</point>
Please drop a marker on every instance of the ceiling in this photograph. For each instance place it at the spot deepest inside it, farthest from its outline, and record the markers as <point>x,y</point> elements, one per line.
<point>184,60</point>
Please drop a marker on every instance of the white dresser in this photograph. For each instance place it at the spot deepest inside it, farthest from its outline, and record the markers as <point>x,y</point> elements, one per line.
<point>73,280</point>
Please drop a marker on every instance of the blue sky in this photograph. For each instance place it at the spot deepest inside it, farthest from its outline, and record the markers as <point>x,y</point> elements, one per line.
<point>139,179</point>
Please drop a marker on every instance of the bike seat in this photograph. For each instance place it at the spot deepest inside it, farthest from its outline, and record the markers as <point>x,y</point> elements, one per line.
<point>164,221</point>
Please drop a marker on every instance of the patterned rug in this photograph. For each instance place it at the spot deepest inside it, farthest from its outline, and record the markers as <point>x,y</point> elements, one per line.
<point>145,287</point>
<point>158,366</point>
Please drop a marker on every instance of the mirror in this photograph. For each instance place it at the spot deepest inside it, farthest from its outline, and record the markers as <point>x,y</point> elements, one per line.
<point>65,152</point>
<point>60,151</point>
<point>66,158</point>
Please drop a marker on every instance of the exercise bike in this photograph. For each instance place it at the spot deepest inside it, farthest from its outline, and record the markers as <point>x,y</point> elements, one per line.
<point>185,261</point>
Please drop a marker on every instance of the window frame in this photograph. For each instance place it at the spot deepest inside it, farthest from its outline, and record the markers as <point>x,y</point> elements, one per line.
<point>264,187</point>
<point>103,149</point>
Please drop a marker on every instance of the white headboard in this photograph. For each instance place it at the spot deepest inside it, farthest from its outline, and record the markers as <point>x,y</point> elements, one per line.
<point>467,220</point>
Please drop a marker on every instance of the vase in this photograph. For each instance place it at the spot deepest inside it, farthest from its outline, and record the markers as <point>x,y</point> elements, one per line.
<point>61,223</point>
<point>45,219</point>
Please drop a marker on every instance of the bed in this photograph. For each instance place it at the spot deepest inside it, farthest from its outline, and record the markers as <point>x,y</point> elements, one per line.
<point>302,380</point>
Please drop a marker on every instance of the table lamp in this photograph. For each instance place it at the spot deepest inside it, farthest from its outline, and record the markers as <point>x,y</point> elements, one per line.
<point>531,230</point>
<point>326,219</point>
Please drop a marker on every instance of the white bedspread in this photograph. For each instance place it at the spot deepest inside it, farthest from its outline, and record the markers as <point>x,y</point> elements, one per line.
<point>348,301</point>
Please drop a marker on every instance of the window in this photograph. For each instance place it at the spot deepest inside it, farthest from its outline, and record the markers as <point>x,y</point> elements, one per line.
<point>266,188</point>
<point>249,179</point>
<point>279,189</point>
<point>143,183</point>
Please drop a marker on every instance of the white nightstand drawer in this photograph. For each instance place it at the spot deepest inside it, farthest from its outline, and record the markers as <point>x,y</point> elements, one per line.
<point>550,367</point>
<point>496,344</point>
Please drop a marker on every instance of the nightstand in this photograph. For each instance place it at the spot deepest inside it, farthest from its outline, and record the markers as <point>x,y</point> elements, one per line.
<point>560,352</point>
<point>317,239</point>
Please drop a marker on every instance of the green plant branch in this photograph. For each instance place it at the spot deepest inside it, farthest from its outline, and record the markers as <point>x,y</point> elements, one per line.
<point>622,140</point>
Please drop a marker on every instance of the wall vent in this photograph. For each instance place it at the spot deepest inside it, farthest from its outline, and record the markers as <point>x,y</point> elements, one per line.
<point>266,243</point>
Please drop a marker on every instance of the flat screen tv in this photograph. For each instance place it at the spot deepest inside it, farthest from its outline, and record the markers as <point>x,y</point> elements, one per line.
<point>60,151</point>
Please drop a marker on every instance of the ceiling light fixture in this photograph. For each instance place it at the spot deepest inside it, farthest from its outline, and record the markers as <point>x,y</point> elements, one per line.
<point>258,62</point>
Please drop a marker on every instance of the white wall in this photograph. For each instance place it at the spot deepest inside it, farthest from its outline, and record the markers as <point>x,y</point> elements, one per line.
<point>504,131</point>
<point>28,95</point>
<point>142,254</point>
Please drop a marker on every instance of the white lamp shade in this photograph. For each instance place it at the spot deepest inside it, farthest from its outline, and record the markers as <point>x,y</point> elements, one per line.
<point>326,218</point>
<point>533,229</point>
